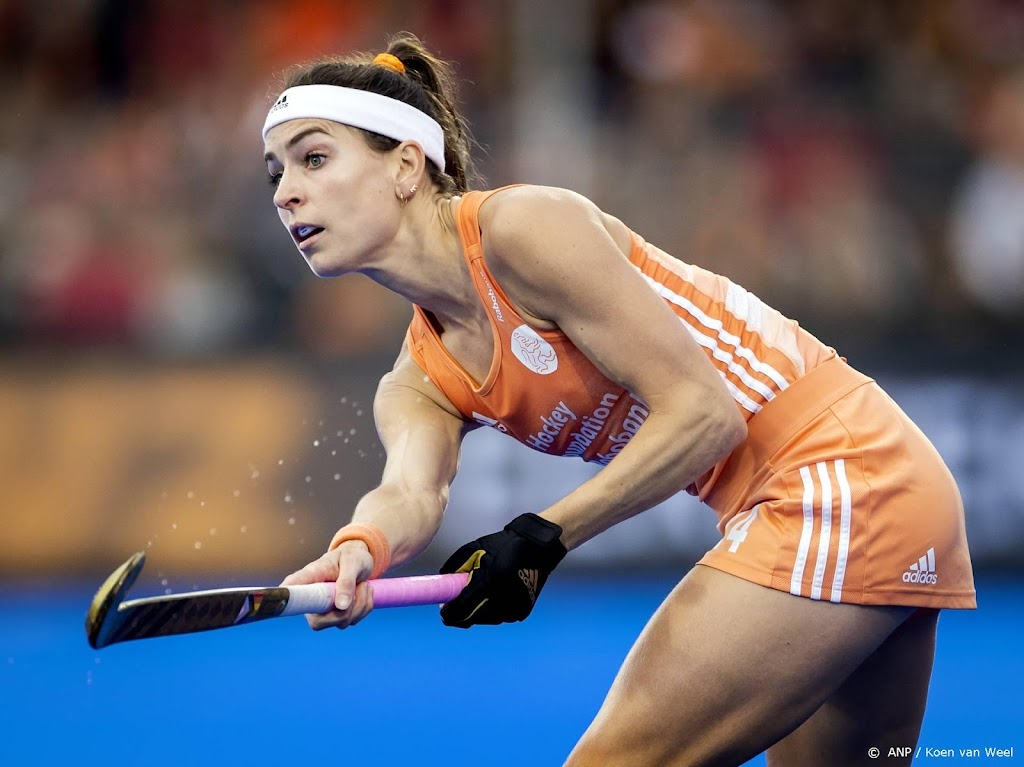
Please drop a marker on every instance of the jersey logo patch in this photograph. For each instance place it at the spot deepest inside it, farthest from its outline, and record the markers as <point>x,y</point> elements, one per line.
<point>923,570</point>
<point>533,351</point>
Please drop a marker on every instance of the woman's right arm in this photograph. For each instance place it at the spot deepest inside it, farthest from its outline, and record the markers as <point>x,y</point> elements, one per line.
<point>421,433</point>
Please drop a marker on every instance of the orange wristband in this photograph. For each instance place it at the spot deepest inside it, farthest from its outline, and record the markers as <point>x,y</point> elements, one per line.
<point>373,537</point>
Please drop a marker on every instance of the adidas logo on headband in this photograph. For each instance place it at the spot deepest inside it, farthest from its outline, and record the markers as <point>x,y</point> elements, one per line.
<point>281,103</point>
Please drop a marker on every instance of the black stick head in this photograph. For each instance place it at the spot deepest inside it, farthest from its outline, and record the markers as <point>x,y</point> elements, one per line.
<point>103,617</point>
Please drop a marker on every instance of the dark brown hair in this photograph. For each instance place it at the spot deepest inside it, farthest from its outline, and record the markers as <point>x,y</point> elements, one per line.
<point>427,84</point>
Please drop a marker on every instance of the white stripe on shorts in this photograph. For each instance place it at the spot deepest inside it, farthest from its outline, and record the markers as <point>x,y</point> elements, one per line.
<point>825,530</point>
<point>805,534</point>
<point>825,534</point>
<point>846,507</point>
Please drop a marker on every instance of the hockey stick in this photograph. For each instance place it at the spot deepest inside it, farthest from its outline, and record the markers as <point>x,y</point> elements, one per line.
<point>111,619</point>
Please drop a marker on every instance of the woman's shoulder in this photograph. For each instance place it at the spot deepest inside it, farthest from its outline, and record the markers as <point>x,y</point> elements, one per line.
<point>516,196</point>
<point>513,214</point>
<point>512,210</point>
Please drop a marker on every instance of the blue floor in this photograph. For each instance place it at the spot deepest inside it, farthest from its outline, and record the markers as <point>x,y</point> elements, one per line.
<point>401,689</point>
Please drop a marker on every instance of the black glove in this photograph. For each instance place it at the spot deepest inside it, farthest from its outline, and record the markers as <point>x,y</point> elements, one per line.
<point>508,570</point>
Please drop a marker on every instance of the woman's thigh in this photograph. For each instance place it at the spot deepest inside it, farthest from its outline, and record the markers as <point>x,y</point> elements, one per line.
<point>879,706</point>
<point>724,669</point>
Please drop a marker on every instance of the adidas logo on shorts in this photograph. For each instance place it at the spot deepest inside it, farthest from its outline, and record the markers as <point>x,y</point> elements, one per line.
<point>923,570</point>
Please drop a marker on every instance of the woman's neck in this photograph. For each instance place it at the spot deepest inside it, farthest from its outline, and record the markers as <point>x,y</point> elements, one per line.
<point>425,263</point>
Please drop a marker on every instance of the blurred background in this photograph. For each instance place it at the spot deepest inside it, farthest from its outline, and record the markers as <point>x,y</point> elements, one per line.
<point>173,379</point>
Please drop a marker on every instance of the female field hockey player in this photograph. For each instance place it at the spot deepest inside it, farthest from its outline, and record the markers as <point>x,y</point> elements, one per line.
<point>809,629</point>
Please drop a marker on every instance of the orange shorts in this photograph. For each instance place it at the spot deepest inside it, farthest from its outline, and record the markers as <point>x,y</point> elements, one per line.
<point>837,495</point>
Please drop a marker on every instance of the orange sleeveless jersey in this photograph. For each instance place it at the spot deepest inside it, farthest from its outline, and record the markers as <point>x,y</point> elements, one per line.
<point>834,495</point>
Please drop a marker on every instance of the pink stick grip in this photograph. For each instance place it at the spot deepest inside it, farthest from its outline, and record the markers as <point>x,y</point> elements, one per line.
<point>318,598</point>
<point>417,590</point>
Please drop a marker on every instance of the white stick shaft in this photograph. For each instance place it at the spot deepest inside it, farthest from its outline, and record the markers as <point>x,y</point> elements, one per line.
<point>312,598</point>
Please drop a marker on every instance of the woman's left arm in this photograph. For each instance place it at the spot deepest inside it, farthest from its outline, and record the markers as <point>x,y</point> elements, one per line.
<point>553,253</point>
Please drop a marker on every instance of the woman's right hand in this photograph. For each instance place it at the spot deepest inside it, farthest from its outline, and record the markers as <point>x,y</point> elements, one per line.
<point>349,566</point>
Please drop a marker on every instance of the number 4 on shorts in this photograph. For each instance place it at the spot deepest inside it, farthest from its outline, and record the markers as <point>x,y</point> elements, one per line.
<point>738,533</point>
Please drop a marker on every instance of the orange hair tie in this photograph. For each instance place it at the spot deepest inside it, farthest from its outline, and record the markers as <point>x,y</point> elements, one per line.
<point>375,540</point>
<point>390,61</point>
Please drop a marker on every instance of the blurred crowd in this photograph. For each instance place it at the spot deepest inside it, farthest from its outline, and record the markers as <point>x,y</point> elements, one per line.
<point>858,165</point>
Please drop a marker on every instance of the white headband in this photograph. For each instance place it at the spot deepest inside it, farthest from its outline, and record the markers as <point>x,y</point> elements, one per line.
<point>360,109</point>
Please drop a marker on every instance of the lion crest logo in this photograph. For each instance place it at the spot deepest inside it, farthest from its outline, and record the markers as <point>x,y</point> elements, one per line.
<point>533,351</point>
